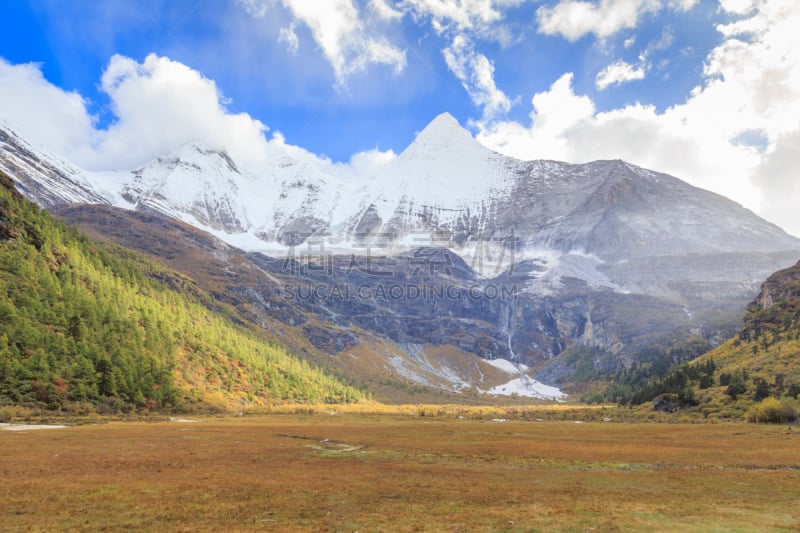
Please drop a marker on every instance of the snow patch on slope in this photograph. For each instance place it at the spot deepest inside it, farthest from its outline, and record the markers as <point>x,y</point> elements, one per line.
<point>529,388</point>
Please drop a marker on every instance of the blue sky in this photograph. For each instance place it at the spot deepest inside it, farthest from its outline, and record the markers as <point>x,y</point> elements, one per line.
<point>298,93</point>
<point>697,88</point>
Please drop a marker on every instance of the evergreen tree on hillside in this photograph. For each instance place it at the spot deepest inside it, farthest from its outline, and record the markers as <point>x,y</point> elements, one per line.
<point>85,323</point>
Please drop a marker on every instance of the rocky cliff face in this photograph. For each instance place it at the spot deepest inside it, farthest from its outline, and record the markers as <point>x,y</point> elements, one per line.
<point>782,285</point>
<point>776,309</point>
<point>426,296</point>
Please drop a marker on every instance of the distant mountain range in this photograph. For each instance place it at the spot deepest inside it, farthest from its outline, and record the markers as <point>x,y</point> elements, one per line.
<point>539,257</point>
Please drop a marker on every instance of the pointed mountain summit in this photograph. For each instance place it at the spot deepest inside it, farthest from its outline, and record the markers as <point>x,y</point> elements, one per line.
<point>444,168</point>
<point>443,135</point>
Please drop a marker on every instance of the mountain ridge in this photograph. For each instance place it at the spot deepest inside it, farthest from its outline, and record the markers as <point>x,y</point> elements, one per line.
<point>611,209</point>
<point>574,245</point>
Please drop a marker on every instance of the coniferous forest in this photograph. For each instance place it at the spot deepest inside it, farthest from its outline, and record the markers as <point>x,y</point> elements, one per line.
<point>90,326</point>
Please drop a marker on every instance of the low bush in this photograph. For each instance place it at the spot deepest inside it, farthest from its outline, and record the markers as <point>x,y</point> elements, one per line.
<point>772,410</point>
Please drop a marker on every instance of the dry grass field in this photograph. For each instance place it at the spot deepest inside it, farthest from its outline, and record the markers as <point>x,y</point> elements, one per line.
<point>360,472</point>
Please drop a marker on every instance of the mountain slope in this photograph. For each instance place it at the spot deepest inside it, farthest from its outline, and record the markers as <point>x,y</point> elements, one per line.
<point>401,351</point>
<point>43,179</point>
<point>761,362</point>
<point>83,323</point>
<point>197,181</point>
<point>768,345</point>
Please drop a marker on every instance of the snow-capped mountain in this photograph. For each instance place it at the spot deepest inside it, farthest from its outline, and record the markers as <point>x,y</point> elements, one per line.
<point>196,181</point>
<point>42,177</point>
<point>445,183</point>
<point>439,179</point>
<point>445,189</point>
<point>581,245</point>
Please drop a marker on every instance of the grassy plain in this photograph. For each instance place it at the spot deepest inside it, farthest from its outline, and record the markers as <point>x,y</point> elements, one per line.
<point>390,472</point>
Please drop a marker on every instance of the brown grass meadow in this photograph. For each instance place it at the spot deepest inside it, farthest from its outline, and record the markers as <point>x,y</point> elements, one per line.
<point>384,472</point>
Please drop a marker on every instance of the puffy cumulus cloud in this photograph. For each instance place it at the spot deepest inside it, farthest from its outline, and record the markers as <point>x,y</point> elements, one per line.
<point>616,73</point>
<point>476,74</point>
<point>161,105</point>
<point>344,34</point>
<point>752,85</point>
<point>364,165</point>
<point>572,19</point>
<point>556,112</point>
<point>40,112</point>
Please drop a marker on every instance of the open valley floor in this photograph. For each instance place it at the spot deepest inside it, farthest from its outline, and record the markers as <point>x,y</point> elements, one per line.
<point>358,472</point>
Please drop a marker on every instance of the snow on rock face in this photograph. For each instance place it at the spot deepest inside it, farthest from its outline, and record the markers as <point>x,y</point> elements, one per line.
<point>439,176</point>
<point>296,198</point>
<point>195,180</point>
<point>43,178</point>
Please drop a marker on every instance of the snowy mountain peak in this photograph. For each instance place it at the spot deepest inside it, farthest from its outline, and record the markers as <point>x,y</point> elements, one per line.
<point>443,154</point>
<point>196,181</point>
<point>199,155</point>
<point>443,135</point>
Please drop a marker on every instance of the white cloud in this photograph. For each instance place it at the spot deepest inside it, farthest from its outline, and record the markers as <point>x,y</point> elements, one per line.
<point>573,19</point>
<point>737,7</point>
<point>663,42</point>
<point>257,8</point>
<point>776,175</point>
<point>621,72</point>
<point>351,36</point>
<point>459,15</point>
<point>476,74</point>
<point>751,85</point>
<point>341,31</point>
<point>555,113</point>
<point>465,22</point>
<point>364,165</point>
<point>616,73</point>
<point>384,10</point>
<point>161,105</point>
<point>289,38</point>
<point>40,112</point>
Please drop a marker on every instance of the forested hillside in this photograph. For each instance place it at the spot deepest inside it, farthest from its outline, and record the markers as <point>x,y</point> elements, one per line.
<point>84,325</point>
<point>756,374</point>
